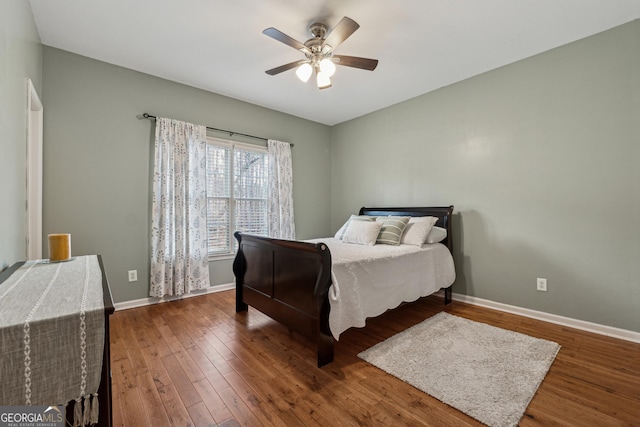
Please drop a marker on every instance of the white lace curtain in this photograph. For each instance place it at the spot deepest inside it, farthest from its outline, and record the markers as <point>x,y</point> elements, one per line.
<point>179,258</point>
<point>281,224</point>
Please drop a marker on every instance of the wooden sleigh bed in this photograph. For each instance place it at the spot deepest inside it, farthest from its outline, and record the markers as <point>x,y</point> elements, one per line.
<point>290,281</point>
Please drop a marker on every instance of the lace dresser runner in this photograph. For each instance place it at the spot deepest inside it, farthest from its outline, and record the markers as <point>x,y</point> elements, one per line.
<point>52,335</point>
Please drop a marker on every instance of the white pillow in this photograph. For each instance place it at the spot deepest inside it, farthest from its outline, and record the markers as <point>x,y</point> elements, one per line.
<point>436,235</point>
<point>340,233</point>
<point>418,230</point>
<point>362,232</point>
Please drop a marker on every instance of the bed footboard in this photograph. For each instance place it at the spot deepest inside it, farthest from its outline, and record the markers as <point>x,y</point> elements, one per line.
<point>288,281</point>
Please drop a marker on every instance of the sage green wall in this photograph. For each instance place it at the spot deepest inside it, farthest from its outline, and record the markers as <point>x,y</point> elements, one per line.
<point>98,156</point>
<point>541,159</point>
<point>20,59</point>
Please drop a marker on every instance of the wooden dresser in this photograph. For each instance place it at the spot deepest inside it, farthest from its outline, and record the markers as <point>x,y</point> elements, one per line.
<point>15,346</point>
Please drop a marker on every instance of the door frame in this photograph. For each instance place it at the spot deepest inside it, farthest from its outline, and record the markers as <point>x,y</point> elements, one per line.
<point>34,172</point>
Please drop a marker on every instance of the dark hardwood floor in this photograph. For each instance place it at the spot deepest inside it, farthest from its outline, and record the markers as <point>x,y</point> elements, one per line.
<point>195,362</point>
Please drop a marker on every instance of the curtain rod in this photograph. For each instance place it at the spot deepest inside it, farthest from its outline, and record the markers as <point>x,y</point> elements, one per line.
<point>231,133</point>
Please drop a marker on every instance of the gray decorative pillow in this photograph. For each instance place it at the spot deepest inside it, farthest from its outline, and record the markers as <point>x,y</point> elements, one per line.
<point>392,229</point>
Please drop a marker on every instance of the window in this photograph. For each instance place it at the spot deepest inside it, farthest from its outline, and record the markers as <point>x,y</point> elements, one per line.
<point>237,191</point>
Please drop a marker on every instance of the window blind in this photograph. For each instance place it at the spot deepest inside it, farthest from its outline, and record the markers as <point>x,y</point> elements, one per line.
<point>237,193</point>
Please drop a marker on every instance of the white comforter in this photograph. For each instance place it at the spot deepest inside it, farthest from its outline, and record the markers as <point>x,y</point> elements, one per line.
<point>368,280</point>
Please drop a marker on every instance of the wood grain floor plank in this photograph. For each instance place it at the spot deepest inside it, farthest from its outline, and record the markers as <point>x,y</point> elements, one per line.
<point>173,406</point>
<point>116,409</point>
<point>239,409</point>
<point>212,400</point>
<point>191,369</point>
<point>201,416</point>
<point>181,381</point>
<point>156,368</point>
<point>128,397</point>
<point>151,401</point>
<point>220,363</point>
<point>208,369</point>
<point>269,415</point>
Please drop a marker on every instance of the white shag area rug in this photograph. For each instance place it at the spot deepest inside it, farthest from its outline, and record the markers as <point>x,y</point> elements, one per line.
<point>488,373</point>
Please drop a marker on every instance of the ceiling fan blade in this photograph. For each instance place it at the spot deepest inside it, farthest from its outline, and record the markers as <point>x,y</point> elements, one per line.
<point>341,32</point>
<point>355,62</point>
<point>285,67</point>
<point>283,38</point>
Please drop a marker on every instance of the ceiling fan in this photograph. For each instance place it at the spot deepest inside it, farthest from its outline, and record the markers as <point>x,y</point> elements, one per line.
<point>319,52</point>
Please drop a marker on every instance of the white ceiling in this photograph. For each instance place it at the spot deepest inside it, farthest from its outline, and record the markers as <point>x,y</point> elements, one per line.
<point>422,45</point>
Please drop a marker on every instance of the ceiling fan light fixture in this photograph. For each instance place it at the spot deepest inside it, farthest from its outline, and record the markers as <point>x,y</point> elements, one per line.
<point>319,52</point>
<point>304,72</point>
<point>323,80</point>
<point>327,66</point>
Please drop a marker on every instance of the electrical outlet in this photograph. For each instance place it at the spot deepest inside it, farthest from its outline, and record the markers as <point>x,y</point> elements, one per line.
<point>133,275</point>
<point>541,284</point>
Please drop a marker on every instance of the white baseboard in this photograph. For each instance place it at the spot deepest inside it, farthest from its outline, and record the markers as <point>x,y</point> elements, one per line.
<point>150,300</point>
<point>609,331</point>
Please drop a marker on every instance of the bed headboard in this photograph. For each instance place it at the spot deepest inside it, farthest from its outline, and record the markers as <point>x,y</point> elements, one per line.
<point>443,213</point>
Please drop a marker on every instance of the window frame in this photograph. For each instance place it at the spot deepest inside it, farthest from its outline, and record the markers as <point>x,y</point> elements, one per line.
<point>232,145</point>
